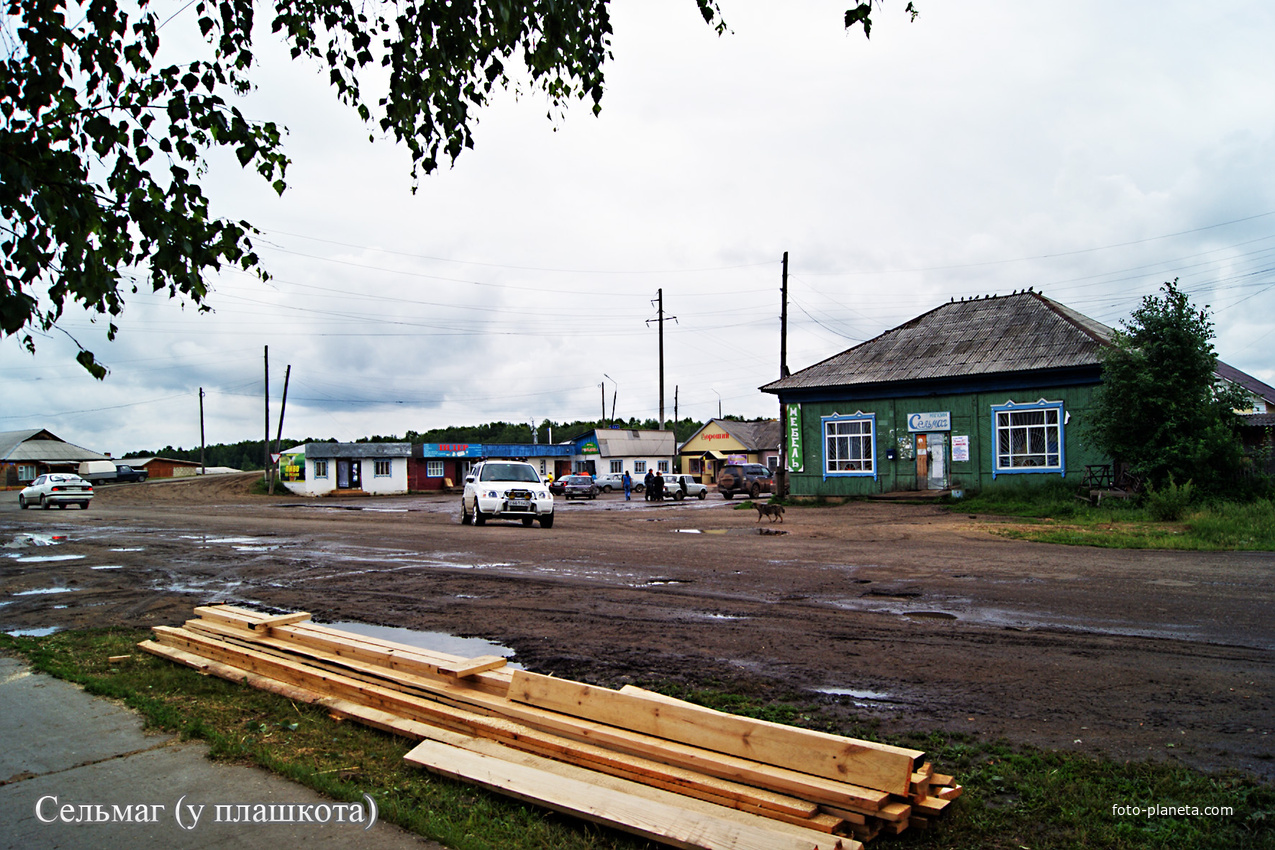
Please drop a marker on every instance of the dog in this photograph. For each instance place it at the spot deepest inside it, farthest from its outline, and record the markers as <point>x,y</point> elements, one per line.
<point>771,511</point>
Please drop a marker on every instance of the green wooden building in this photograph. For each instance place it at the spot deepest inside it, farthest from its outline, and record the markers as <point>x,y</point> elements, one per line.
<point>969,396</point>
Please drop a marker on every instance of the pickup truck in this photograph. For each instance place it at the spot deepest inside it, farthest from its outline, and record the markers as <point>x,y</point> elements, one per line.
<point>109,472</point>
<point>124,472</point>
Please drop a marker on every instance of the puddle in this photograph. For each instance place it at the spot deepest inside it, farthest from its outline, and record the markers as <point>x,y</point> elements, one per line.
<point>42,559</point>
<point>657,582</point>
<point>107,567</point>
<point>228,541</point>
<point>864,699</point>
<point>433,641</point>
<point>688,531</point>
<point>43,590</point>
<point>129,549</point>
<point>929,615</point>
<point>43,632</point>
<point>708,615</point>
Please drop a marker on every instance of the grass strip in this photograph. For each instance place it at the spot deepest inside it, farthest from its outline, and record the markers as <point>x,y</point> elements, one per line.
<point>1015,797</point>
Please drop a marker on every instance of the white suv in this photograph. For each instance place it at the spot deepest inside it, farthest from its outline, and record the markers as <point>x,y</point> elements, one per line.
<point>505,489</point>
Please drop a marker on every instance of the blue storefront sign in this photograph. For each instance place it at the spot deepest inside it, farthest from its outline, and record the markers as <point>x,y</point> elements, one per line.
<point>451,450</point>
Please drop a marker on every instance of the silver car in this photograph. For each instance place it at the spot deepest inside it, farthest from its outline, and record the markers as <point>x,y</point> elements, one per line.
<point>56,488</point>
<point>678,487</point>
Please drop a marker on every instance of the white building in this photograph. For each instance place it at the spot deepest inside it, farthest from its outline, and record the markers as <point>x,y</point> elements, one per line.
<point>378,469</point>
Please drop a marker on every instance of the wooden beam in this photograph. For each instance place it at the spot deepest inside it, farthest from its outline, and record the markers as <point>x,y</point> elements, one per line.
<point>473,666</point>
<point>864,763</point>
<point>280,620</point>
<point>389,698</point>
<point>692,830</point>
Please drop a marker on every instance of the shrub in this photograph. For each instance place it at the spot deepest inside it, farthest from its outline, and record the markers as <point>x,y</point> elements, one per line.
<point>1169,503</point>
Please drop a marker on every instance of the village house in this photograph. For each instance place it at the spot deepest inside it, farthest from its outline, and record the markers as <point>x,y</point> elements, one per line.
<point>347,468</point>
<point>728,441</point>
<point>971,395</point>
<point>25,455</point>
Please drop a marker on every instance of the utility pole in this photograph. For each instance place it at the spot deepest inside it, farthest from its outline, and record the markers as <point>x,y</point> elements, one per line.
<point>659,301</point>
<point>673,459</point>
<point>203,470</point>
<point>283,406</point>
<point>783,373</point>
<point>267,447</point>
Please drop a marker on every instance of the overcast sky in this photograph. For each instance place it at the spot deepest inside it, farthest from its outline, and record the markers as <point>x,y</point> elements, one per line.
<point>1090,150</point>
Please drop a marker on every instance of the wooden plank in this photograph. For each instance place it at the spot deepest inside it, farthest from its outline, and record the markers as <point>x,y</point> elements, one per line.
<point>950,792</point>
<point>472,666</point>
<point>280,620</point>
<point>598,758</point>
<point>332,646</point>
<point>295,671</point>
<point>489,747</point>
<point>863,763</point>
<point>693,830</point>
<point>930,805</point>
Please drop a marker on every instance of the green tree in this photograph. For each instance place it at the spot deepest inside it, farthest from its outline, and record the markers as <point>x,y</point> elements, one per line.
<point>1161,407</point>
<point>102,147</point>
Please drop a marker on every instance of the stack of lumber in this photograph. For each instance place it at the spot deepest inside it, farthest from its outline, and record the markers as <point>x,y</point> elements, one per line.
<point>658,767</point>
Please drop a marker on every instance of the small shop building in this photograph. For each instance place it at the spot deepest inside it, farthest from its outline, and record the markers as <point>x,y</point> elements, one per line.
<point>722,442</point>
<point>971,395</point>
<point>349,468</point>
<point>620,450</point>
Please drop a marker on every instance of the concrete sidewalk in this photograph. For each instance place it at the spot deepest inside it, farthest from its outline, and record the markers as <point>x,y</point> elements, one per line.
<point>59,747</point>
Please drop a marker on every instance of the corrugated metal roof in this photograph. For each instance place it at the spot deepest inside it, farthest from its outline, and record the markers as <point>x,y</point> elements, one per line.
<point>37,444</point>
<point>1253,385</point>
<point>626,442</point>
<point>357,450</point>
<point>1010,333</point>
<point>757,435</point>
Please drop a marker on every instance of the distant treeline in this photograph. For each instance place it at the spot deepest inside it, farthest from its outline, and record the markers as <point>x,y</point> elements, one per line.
<point>250,454</point>
<point>246,455</point>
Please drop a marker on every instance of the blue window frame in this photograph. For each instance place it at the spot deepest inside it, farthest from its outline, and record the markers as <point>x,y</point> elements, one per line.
<point>1028,438</point>
<point>849,445</point>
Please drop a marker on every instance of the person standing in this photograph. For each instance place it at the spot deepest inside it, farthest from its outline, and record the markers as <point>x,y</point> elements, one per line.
<point>659,486</point>
<point>648,485</point>
<point>628,485</point>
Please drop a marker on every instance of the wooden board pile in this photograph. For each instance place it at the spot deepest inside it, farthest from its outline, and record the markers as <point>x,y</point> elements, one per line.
<point>655,766</point>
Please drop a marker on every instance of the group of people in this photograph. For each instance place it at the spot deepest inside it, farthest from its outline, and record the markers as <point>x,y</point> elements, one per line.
<point>653,485</point>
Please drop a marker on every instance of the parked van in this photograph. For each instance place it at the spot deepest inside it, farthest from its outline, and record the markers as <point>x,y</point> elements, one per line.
<point>96,471</point>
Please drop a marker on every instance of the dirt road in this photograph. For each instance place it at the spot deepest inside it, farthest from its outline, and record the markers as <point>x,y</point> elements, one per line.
<point>911,616</point>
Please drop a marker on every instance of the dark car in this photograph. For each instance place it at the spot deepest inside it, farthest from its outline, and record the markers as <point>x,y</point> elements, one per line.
<point>751,478</point>
<point>579,487</point>
<point>124,472</point>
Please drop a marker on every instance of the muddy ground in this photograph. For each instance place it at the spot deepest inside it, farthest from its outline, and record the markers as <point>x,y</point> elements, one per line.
<point>911,616</point>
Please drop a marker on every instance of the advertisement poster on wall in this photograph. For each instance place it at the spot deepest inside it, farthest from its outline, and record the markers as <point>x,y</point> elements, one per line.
<point>796,456</point>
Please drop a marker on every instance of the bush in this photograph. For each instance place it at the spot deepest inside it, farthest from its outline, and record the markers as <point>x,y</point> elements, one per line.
<point>1169,503</point>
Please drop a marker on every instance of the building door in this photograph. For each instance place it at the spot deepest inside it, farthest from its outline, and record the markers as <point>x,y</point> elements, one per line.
<point>936,448</point>
<point>347,475</point>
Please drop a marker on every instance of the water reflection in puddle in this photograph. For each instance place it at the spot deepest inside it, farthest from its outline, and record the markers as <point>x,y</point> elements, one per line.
<point>433,641</point>
<point>43,590</point>
<point>42,559</point>
<point>43,632</point>
<point>862,698</point>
